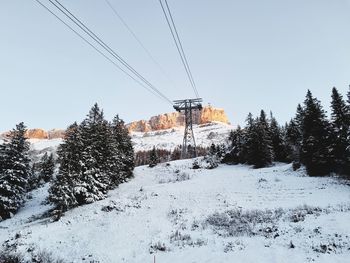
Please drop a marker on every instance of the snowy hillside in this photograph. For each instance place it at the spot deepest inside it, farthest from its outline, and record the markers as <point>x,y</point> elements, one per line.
<point>172,213</point>
<point>205,135</point>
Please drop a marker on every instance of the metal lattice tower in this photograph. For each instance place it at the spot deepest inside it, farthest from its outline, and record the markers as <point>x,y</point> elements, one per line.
<point>187,106</point>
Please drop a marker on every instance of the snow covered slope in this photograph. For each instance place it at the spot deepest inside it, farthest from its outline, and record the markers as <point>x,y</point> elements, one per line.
<point>172,213</point>
<point>205,135</point>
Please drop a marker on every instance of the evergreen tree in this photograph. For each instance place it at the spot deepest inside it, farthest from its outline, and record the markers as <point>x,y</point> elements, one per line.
<point>277,140</point>
<point>46,167</point>
<point>294,137</point>
<point>315,138</point>
<point>94,160</point>
<point>260,151</point>
<point>249,140</point>
<point>123,147</point>
<point>153,159</point>
<point>237,144</point>
<point>62,191</point>
<point>293,141</point>
<point>212,149</point>
<point>96,156</point>
<point>14,172</point>
<point>340,121</point>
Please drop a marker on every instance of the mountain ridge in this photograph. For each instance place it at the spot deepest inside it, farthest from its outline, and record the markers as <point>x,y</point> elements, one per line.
<point>159,122</point>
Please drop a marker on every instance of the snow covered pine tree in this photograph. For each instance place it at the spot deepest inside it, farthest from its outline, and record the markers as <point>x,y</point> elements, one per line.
<point>315,146</point>
<point>340,124</point>
<point>153,158</point>
<point>14,172</point>
<point>96,156</point>
<point>46,167</point>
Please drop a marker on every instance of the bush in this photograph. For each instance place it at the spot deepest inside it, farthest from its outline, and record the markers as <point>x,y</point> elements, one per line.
<point>10,257</point>
<point>158,246</point>
<point>211,162</point>
<point>178,177</point>
<point>248,223</point>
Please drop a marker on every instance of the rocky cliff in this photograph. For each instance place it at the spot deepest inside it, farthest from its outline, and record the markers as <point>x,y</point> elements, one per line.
<point>175,119</point>
<point>39,134</point>
<point>161,122</point>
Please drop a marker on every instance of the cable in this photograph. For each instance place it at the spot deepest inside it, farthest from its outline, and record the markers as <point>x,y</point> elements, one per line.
<point>150,89</point>
<point>82,26</point>
<point>138,40</point>
<point>179,47</point>
<point>183,52</point>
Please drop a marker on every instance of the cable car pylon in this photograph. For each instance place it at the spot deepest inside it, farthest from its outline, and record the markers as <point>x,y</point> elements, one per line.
<point>187,106</point>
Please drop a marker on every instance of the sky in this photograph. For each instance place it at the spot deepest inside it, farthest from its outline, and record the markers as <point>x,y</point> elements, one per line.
<point>245,55</point>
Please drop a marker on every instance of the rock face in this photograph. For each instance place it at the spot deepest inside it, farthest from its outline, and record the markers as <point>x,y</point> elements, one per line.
<point>175,119</point>
<point>161,122</point>
<point>39,134</point>
<point>210,114</point>
<point>56,134</point>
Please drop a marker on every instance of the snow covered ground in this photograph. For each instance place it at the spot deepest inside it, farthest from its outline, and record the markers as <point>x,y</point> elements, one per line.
<point>172,213</point>
<point>205,135</point>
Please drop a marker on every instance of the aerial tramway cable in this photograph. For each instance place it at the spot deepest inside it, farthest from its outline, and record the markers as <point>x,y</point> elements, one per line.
<point>149,54</point>
<point>135,75</point>
<point>171,24</point>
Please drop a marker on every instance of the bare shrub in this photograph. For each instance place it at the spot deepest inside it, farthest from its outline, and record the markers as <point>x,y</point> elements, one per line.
<point>10,257</point>
<point>158,246</point>
<point>45,257</point>
<point>178,176</point>
<point>298,214</point>
<point>210,162</point>
<point>181,239</point>
<point>245,223</point>
<point>234,246</point>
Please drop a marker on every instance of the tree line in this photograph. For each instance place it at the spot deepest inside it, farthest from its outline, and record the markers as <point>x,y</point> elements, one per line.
<point>311,139</point>
<point>95,156</point>
<point>157,155</point>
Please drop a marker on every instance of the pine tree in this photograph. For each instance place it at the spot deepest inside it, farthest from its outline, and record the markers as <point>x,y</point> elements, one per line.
<point>294,137</point>
<point>153,159</point>
<point>340,122</point>
<point>237,145</point>
<point>315,138</point>
<point>259,150</point>
<point>94,161</point>
<point>123,147</point>
<point>14,172</point>
<point>46,167</point>
<point>293,142</point>
<point>249,140</point>
<point>62,191</point>
<point>277,140</point>
<point>96,156</point>
<point>212,149</point>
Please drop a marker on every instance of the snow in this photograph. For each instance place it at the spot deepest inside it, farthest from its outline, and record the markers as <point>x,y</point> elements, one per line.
<point>42,144</point>
<point>159,208</point>
<point>205,135</point>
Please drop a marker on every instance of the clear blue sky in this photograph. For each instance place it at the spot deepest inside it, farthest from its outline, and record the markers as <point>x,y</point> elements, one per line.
<point>244,54</point>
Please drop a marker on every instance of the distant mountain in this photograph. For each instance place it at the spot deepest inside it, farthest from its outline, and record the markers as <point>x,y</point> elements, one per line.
<point>164,131</point>
<point>175,119</point>
<point>165,121</point>
<point>40,134</point>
